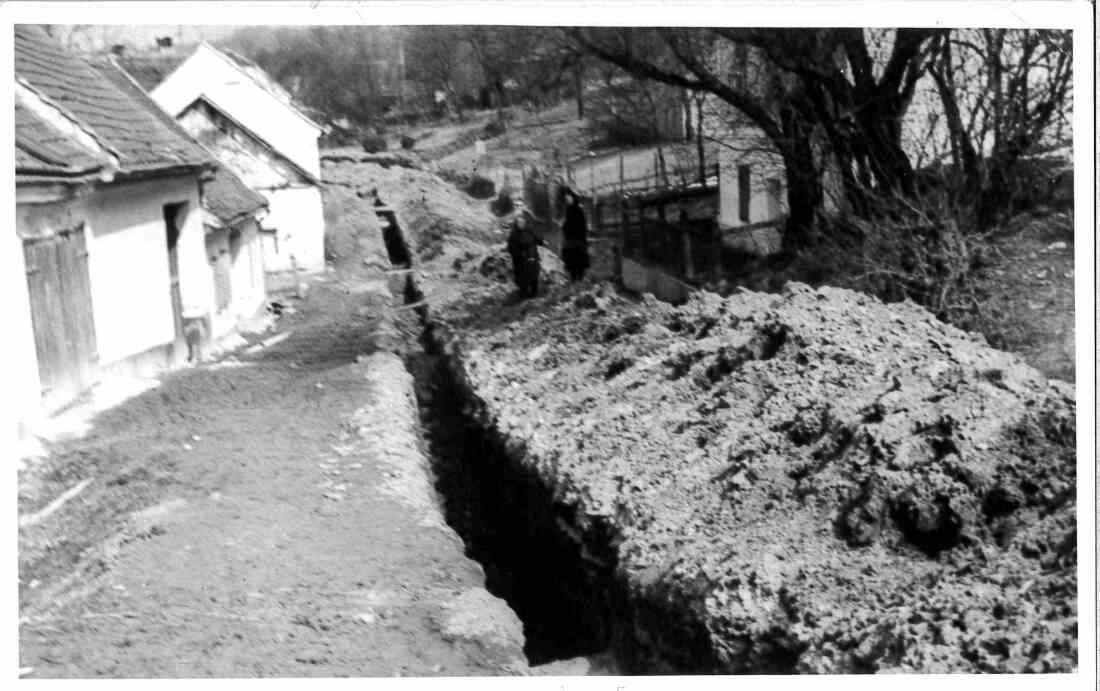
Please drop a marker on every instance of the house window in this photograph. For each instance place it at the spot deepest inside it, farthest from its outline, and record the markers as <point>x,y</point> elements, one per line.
<point>744,193</point>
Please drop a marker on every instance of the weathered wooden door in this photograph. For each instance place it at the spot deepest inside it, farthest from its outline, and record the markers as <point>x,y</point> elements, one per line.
<point>61,313</point>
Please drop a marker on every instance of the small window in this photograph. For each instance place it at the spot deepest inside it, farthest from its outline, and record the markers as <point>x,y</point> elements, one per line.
<point>744,192</point>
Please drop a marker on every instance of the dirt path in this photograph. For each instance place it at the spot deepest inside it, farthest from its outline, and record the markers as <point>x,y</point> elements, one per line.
<point>266,518</point>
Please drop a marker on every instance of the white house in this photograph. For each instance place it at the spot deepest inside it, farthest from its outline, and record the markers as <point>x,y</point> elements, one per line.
<point>231,216</point>
<point>254,127</point>
<point>109,220</point>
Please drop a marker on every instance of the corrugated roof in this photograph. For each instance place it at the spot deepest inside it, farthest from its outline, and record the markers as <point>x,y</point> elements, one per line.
<point>228,198</point>
<point>124,123</point>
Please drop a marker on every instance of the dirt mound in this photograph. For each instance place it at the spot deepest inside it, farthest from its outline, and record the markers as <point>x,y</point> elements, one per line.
<point>497,265</point>
<point>437,218</point>
<point>811,481</point>
<point>385,159</point>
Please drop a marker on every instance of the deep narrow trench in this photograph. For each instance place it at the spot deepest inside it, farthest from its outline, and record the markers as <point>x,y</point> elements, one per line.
<point>559,582</point>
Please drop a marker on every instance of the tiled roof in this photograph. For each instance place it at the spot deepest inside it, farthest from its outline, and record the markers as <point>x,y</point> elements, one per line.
<point>42,149</point>
<point>229,199</point>
<point>149,70</point>
<point>129,126</point>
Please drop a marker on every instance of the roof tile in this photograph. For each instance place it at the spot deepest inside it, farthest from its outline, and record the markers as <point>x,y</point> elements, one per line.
<point>228,199</point>
<point>125,124</point>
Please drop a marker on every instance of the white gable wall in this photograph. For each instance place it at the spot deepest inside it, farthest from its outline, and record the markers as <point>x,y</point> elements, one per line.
<point>296,217</point>
<point>213,75</point>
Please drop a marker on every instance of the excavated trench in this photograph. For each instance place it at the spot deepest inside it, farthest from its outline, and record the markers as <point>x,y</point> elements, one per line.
<point>559,581</point>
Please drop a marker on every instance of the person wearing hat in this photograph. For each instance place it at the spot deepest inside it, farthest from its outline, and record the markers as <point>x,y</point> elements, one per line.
<point>523,246</point>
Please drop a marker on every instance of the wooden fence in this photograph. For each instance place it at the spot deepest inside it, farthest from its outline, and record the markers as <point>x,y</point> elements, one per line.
<point>625,223</point>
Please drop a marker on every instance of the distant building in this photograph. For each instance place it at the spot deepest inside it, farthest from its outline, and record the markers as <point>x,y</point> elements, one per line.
<point>752,179</point>
<point>108,223</point>
<point>255,128</point>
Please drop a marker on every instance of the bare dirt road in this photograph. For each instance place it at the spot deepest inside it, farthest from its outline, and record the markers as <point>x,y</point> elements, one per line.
<point>269,516</point>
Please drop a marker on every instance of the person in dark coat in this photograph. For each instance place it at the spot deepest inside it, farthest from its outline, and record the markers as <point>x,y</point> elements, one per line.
<point>574,236</point>
<point>523,245</point>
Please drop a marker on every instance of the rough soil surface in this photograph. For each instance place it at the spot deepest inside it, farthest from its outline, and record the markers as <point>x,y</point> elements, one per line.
<point>1030,288</point>
<point>809,481</point>
<point>436,216</point>
<point>270,514</point>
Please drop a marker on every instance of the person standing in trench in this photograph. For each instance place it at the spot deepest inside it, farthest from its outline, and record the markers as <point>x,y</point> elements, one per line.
<point>523,246</point>
<point>574,235</point>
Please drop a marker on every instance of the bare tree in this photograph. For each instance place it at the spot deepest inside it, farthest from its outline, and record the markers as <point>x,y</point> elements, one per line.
<point>435,60</point>
<point>803,83</point>
<point>1001,91</point>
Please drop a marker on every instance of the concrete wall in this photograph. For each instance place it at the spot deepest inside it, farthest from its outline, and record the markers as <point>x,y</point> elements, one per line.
<point>297,217</point>
<point>128,259</point>
<point>215,76</point>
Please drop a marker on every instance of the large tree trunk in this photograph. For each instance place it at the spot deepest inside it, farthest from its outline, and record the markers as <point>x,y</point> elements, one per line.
<point>805,196</point>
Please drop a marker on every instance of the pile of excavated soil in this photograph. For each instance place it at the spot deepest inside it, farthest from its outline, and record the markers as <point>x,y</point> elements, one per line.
<point>809,481</point>
<point>436,217</point>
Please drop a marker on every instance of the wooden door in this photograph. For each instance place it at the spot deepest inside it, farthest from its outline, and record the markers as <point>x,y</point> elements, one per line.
<point>61,314</point>
<point>172,213</point>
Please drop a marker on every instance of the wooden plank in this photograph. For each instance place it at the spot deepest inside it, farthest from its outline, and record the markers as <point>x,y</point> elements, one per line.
<point>41,276</point>
<point>67,330</point>
<point>83,288</point>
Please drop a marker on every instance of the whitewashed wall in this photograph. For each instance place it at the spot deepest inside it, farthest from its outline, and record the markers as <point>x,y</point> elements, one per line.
<point>246,275</point>
<point>297,215</point>
<point>763,205</point>
<point>215,76</point>
<point>128,259</point>
<point>129,265</point>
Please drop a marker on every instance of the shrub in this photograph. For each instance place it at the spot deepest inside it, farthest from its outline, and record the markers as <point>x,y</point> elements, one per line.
<point>374,143</point>
<point>481,187</point>
<point>407,142</point>
<point>493,128</point>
